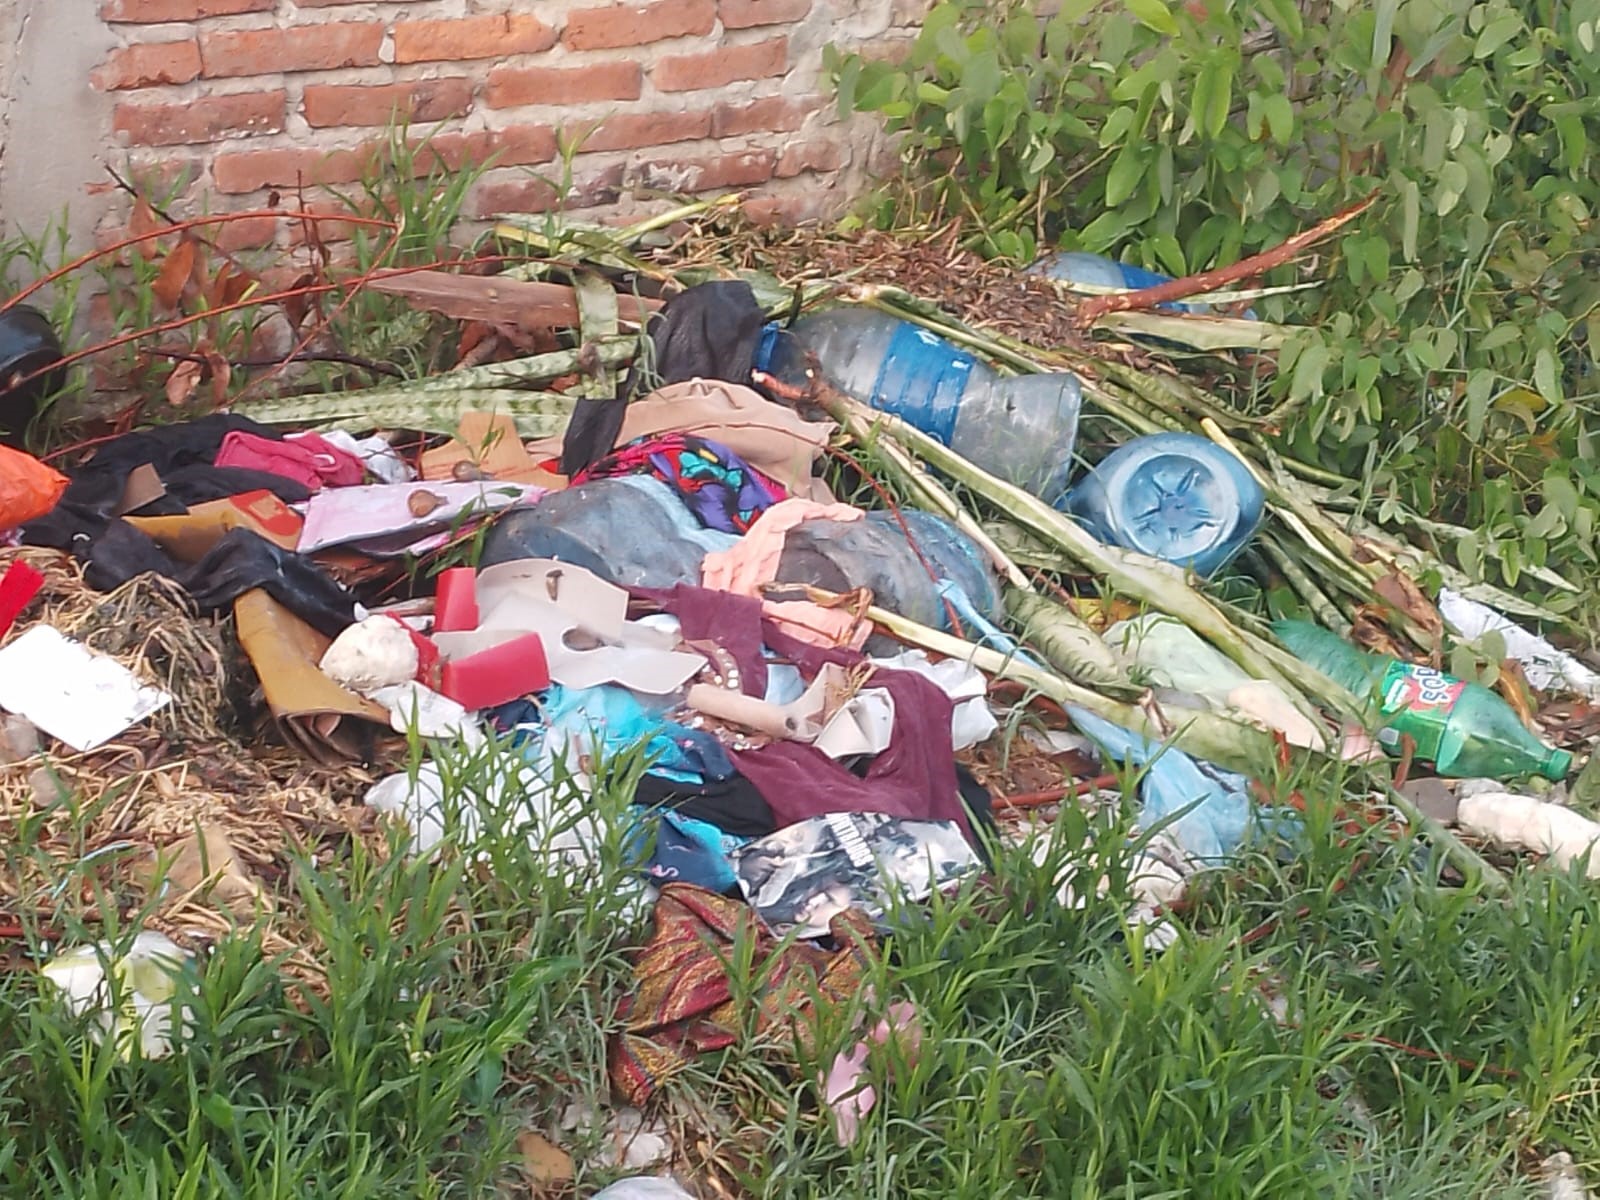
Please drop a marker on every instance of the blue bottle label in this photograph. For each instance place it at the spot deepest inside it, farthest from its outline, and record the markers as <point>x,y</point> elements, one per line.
<point>922,380</point>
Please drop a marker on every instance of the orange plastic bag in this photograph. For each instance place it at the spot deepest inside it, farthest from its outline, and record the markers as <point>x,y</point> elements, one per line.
<point>28,488</point>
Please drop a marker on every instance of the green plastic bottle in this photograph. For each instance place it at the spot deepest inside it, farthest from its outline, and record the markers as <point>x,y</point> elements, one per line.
<point>1463,729</point>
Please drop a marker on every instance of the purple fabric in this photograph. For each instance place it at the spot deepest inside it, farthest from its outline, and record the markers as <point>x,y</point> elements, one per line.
<point>914,778</point>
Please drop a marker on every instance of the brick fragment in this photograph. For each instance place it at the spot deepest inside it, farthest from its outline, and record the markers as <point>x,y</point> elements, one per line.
<point>511,87</point>
<point>528,195</point>
<point>722,66</point>
<point>149,64</point>
<point>618,25</point>
<point>236,172</point>
<point>325,47</point>
<point>694,175</point>
<point>492,36</point>
<point>798,157</point>
<point>204,120</point>
<point>157,12</point>
<point>421,100</point>
<point>770,114</point>
<point>746,14</point>
<point>633,131</point>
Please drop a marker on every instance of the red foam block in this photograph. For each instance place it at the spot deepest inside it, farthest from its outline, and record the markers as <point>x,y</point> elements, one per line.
<point>497,675</point>
<point>17,590</point>
<point>455,609</point>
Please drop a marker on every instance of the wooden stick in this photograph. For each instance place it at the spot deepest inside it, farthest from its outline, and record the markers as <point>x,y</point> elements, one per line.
<point>1209,281</point>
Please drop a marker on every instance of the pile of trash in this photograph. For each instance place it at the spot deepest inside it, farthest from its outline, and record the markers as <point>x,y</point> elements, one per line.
<point>795,547</point>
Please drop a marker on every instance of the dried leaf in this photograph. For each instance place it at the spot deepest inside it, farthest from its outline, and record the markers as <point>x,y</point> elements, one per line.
<point>141,222</point>
<point>1406,598</point>
<point>296,308</point>
<point>221,375</point>
<point>1513,686</point>
<point>174,276</point>
<point>1361,551</point>
<point>205,864</point>
<point>183,382</point>
<point>546,1164</point>
<point>240,283</point>
<point>472,332</point>
<point>1370,633</point>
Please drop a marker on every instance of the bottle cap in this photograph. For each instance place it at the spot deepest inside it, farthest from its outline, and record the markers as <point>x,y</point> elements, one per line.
<point>1558,765</point>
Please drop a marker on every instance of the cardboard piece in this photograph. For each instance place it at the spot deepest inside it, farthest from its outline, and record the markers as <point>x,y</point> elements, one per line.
<point>486,446</point>
<point>143,487</point>
<point>189,538</point>
<point>314,714</point>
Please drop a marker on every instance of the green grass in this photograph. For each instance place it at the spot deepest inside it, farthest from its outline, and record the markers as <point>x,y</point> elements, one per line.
<point>469,997</point>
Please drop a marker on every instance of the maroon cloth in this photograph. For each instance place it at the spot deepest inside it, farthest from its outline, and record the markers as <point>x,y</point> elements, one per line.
<point>914,778</point>
<point>306,458</point>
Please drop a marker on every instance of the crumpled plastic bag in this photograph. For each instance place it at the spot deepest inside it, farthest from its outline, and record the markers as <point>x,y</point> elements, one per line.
<point>136,1002</point>
<point>28,488</point>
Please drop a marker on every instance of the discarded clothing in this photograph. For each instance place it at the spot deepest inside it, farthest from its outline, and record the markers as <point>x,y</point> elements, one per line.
<point>715,484</point>
<point>606,721</point>
<point>914,778</point>
<point>732,805</point>
<point>744,568</point>
<point>801,877</point>
<point>305,458</point>
<point>769,437</point>
<point>709,332</point>
<point>684,1002</point>
<point>683,850</point>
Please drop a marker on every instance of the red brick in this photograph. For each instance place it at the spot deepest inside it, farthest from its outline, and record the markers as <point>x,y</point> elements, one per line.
<point>202,120</point>
<point>787,210</point>
<point>155,12</point>
<point>722,66</point>
<point>331,3</point>
<point>327,232</point>
<point>530,195</point>
<point>632,131</point>
<point>510,87</point>
<point>618,25</point>
<point>708,174</point>
<point>746,14</point>
<point>302,48</point>
<point>243,171</point>
<point>252,233</point>
<point>520,146</point>
<point>492,36</point>
<point>773,114</point>
<point>810,156</point>
<point>149,65</point>
<point>424,100</point>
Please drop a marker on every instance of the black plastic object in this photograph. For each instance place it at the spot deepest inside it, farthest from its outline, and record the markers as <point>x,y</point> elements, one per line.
<point>28,347</point>
<point>709,332</point>
<point>244,560</point>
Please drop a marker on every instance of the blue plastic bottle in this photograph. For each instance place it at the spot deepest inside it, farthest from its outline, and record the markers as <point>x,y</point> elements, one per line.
<point>1176,496</point>
<point>1021,428</point>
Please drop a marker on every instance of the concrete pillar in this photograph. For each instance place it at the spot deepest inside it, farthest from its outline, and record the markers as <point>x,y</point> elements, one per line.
<point>51,120</point>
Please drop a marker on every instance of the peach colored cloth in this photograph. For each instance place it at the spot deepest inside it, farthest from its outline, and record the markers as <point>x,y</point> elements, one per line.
<point>753,561</point>
<point>771,438</point>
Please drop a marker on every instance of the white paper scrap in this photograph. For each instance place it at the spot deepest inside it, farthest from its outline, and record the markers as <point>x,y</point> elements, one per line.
<point>82,698</point>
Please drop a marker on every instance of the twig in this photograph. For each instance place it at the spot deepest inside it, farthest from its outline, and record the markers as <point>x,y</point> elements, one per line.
<point>1209,281</point>
<point>349,360</point>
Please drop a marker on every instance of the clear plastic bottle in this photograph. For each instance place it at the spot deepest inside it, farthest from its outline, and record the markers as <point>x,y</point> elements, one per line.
<point>1175,496</point>
<point>1463,729</point>
<point>1021,428</point>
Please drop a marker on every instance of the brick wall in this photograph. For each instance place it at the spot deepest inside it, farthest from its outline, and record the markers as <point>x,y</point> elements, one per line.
<point>244,98</point>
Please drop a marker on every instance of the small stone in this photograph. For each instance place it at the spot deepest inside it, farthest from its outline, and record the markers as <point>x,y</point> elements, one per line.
<point>47,788</point>
<point>19,739</point>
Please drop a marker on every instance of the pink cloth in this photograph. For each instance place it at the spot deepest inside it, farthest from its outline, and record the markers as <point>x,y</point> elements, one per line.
<point>753,561</point>
<point>845,1088</point>
<point>306,458</point>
